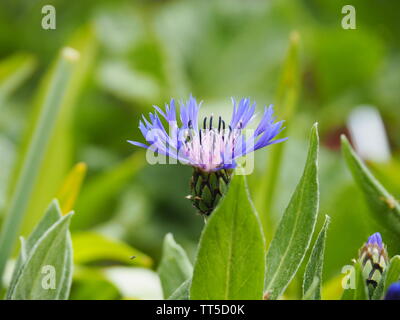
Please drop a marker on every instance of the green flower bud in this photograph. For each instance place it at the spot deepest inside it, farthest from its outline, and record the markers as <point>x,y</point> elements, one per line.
<point>207,188</point>
<point>374,259</point>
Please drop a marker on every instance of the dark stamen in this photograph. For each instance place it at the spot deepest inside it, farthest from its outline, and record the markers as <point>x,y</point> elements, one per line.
<point>219,124</point>
<point>230,131</point>
<point>211,121</point>
<point>200,135</point>
<point>205,123</point>
<point>190,125</point>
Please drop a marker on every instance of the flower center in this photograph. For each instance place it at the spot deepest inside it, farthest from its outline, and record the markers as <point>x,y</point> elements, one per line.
<point>211,147</point>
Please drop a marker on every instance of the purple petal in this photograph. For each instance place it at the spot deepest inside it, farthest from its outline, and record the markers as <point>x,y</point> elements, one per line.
<point>139,144</point>
<point>376,238</point>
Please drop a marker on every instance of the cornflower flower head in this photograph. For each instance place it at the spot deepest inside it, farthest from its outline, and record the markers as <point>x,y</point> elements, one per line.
<point>211,146</point>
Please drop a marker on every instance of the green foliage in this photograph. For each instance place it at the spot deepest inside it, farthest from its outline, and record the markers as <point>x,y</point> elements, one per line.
<point>359,291</point>
<point>314,266</point>
<point>313,290</point>
<point>390,275</point>
<point>230,258</point>
<point>38,142</point>
<point>182,292</point>
<point>70,189</point>
<point>52,215</point>
<point>55,114</point>
<point>13,72</point>
<point>58,157</point>
<point>105,186</point>
<point>92,284</point>
<point>87,288</point>
<point>294,233</point>
<point>384,207</point>
<point>44,267</point>
<point>175,267</point>
<point>287,95</point>
<point>92,247</point>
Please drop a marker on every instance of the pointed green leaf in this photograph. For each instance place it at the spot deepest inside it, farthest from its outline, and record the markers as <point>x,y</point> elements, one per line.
<point>230,263</point>
<point>59,155</point>
<point>315,263</point>
<point>359,291</point>
<point>384,208</point>
<point>71,187</point>
<point>37,142</point>
<point>294,233</point>
<point>391,274</point>
<point>182,293</point>
<point>379,290</point>
<point>313,290</point>
<point>175,267</point>
<point>51,216</point>
<point>67,274</point>
<point>46,265</point>
<point>286,99</point>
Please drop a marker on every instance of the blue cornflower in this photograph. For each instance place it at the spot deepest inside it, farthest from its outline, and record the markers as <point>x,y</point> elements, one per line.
<point>374,259</point>
<point>393,292</point>
<point>211,148</point>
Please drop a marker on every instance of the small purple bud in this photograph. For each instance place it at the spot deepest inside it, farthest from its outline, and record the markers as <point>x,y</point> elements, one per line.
<point>374,259</point>
<point>376,238</point>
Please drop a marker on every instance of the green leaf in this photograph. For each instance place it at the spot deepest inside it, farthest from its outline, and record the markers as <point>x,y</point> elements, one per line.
<point>388,173</point>
<point>92,284</point>
<point>379,290</point>
<point>313,290</point>
<point>230,263</point>
<point>390,275</point>
<point>48,263</point>
<point>392,272</point>
<point>37,146</point>
<point>383,206</point>
<point>175,267</point>
<point>286,100</point>
<point>359,291</point>
<point>98,192</point>
<point>92,247</point>
<point>332,289</point>
<point>14,70</point>
<point>182,292</point>
<point>51,216</point>
<point>67,275</point>
<point>315,264</point>
<point>122,80</point>
<point>71,186</point>
<point>60,153</point>
<point>296,228</point>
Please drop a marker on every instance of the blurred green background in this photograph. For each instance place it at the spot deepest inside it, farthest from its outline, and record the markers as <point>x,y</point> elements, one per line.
<point>135,54</point>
